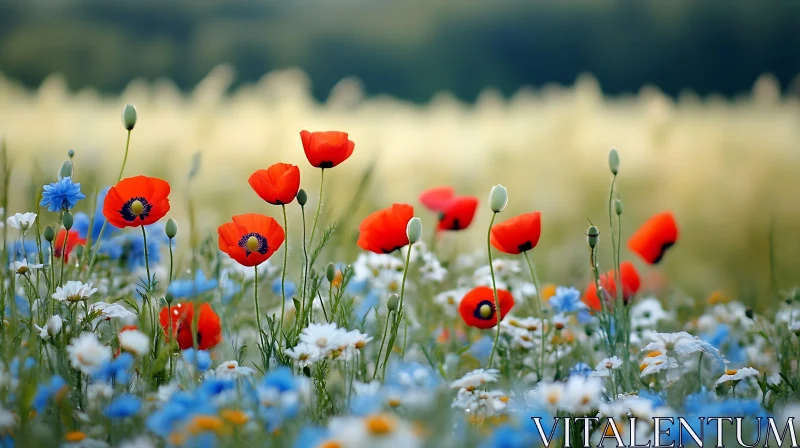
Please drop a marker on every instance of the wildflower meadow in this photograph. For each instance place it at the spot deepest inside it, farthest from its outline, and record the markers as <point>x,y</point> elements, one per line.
<point>434,321</point>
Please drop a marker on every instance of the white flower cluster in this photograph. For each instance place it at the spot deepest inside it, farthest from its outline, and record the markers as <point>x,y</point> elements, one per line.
<point>320,341</point>
<point>474,399</point>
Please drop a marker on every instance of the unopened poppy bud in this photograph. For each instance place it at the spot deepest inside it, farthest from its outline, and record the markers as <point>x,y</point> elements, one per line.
<point>393,302</point>
<point>749,313</point>
<point>613,161</point>
<point>618,206</point>
<point>302,197</point>
<point>71,153</point>
<point>171,229</point>
<point>79,251</point>
<point>49,234</point>
<point>498,198</point>
<point>414,230</point>
<point>591,236</point>
<point>66,170</point>
<point>169,298</point>
<point>330,272</point>
<point>67,221</point>
<point>129,116</point>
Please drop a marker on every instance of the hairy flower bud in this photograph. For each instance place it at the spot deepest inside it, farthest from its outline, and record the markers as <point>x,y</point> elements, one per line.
<point>591,236</point>
<point>129,117</point>
<point>68,220</point>
<point>49,234</point>
<point>613,161</point>
<point>618,206</point>
<point>302,197</point>
<point>393,302</point>
<point>414,230</point>
<point>330,272</point>
<point>498,198</point>
<point>67,170</point>
<point>171,229</point>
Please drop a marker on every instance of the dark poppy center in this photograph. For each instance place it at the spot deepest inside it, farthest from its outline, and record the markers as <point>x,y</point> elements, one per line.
<point>477,312</point>
<point>388,251</point>
<point>326,164</point>
<point>663,250</point>
<point>526,246</point>
<point>258,243</point>
<point>137,207</point>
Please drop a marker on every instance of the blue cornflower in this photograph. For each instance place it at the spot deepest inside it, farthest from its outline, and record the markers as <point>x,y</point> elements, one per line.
<point>481,349</point>
<point>289,287</point>
<point>135,245</point>
<point>311,436</point>
<point>198,358</point>
<point>580,368</point>
<point>212,387</point>
<point>125,405</point>
<point>28,249</point>
<point>507,436</point>
<point>116,369</point>
<point>370,301</point>
<point>567,300</point>
<point>61,195</point>
<point>180,407</point>
<point>229,288</point>
<point>15,365</point>
<point>366,404</point>
<point>181,289</point>
<point>46,392</point>
<point>277,397</point>
<point>408,376</point>
<point>22,305</point>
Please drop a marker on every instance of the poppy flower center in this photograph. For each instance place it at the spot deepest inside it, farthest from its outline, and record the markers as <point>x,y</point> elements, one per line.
<point>484,310</point>
<point>137,207</point>
<point>253,242</point>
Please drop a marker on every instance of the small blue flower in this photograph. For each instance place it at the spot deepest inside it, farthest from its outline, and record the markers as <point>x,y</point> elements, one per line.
<point>567,300</point>
<point>46,392</point>
<point>482,349</point>
<point>135,245</point>
<point>28,250</point>
<point>311,436</point>
<point>117,369</point>
<point>199,358</point>
<point>125,405</point>
<point>289,287</point>
<point>212,387</point>
<point>61,195</point>
<point>229,288</point>
<point>180,407</point>
<point>580,368</point>
<point>367,404</point>
<point>509,437</point>
<point>184,289</point>
<point>83,223</point>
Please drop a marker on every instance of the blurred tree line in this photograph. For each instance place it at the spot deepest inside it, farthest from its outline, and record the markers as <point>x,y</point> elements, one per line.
<point>410,49</point>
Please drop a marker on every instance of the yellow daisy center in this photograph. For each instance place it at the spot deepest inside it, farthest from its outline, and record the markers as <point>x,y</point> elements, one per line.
<point>379,424</point>
<point>75,436</point>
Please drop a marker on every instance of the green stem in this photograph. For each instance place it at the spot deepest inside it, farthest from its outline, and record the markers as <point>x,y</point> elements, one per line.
<point>171,261</point>
<point>146,298</point>
<point>63,256</point>
<point>125,158</point>
<point>383,340</point>
<point>283,274</point>
<point>305,256</point>
<point>539,308</point>
<point>399,313</point>
<point>497,310</point>
<point>258,317</point>
<point>319,206</point>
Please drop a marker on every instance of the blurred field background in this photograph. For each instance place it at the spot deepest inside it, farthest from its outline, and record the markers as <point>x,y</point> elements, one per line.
<point>701,99</point>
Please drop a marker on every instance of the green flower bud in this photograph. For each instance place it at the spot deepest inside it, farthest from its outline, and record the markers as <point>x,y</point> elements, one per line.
<point>393,302</point>
<point>129,117</point>
<point>302,197</point>
<point>171,229</point>
<point>49,234</point>
<point>68,220</point>
<point>613,161</point>
<point>498,198</point>
<point>71,153</point>
<point>330,272</point>
<point>749,313</point>
<point>591,236</point>
<point>414,230</point>
<point>618,206</point>
<point>66,170</point>
<point>79,251</point>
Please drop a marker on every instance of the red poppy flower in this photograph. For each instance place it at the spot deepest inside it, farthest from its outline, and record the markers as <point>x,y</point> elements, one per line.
<point>458,213</point>
<point>277,184</point>
<point>630,286</point>
<point>654,237</point>
<point>326,149</point>
<point>435,199</point>
<point>384,231</point>
<point>250,239</point>
<point>180,318</point>
<point>518,234</point>
<point>477,308</point>
<point>136,201</point>
<point>73,239</point>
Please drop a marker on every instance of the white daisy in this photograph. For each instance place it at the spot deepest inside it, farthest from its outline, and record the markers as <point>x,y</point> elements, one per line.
<point>8,421</point>
<point>581,394</point>
<point>231,370</point>
<point>737,375</point>
<point>23,267</point>
<point>449,300</point>
<point>135,342</point>
<point>606,366</point>
<point>657,363</point>
<point>99,392</point>
<point>475,379</point>
<point>647,313</point>
<point>304,354</point>
<point>110,311</point>
<point>374,431</point>
<point>481,402</point>
<point>74,291</point>
<point>139,442</point>
<point>21,221</point>
<point>51,328</point>
<point>86,353</point>
<point>326,337</point>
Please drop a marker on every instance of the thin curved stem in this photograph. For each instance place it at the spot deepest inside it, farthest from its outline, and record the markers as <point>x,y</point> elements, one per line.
<point>171,262</point>
<point>285,257</point>
<point>539,308</point>
<point>258,315</point>
<point>63,256</point>
<point>494,290</point>
<point>319,206</point>
<point>399,313</point>
<point>383,340</point>
<point>305,256</point>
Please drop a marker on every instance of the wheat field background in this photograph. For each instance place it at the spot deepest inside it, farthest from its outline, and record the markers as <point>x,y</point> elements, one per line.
<point>728,168</point>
